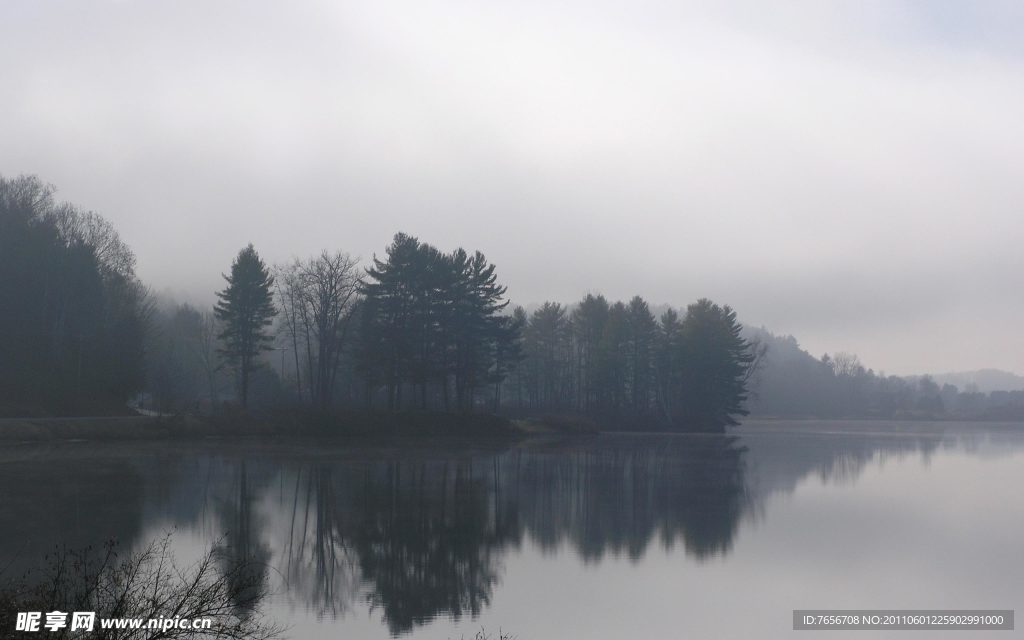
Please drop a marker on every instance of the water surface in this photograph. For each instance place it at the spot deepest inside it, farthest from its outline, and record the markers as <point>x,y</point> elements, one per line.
<point>610,537</point>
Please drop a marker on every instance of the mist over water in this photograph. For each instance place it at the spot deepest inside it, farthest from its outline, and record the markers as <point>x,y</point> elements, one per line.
<point>675,531</point>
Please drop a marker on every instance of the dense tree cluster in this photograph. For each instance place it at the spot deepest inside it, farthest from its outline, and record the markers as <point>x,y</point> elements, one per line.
<point>72,331</point>
<point>424,329</point>
<point>418,329</point>
<point>617,362</point>
<point>432,324</point>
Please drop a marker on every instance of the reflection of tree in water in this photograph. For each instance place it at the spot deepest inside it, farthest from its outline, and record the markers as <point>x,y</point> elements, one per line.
<point>710,499</point>
<point>780,461</point>
<point>420,536</point>
<point>242,554</point>
<point>319,563</point>
<point>422,533</point>
<point>617,494</point>
<point>423,538</point>
<point>428,539</point>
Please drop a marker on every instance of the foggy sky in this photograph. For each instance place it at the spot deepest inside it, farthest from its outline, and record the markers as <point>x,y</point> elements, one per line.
<point>848,172</point>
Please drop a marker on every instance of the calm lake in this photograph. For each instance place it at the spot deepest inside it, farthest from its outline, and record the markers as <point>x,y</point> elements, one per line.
<point>616,536</point>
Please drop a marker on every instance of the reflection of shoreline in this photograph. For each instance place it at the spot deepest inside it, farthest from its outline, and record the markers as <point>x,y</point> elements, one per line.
<point>419,538</point>
<point>782,454</point>
<point>420,531</point>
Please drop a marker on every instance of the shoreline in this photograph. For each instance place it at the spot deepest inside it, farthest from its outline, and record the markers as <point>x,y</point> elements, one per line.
<point>363,426</point>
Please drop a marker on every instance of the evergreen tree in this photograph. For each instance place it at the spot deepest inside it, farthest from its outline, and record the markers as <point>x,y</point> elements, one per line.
<point>480,327</point>
<point>246,309</point>
<point>432,321</point>
<point>643,331</point>
<point>588,320</point>
<point>387,349</point>
<point>508,351</point>
<point>548,357</point>
<point>668,364</point>
<point>715,363</point>
<point>612,362</point>
<point>519,381</point>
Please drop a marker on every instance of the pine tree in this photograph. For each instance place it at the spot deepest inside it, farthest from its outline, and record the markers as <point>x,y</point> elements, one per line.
<point>431,319</point>
<point>473,324</point>
<point>548,361</point>
<point>246,309</point>
<point>668,364</point>
<point>388,348</point>
<point>714,366</point>
<point>588,321</point>
<point>643,331</point>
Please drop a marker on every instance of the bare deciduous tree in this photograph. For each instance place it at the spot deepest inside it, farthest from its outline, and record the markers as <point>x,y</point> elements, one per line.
<point>317,297</point>
<point>149,585</point>
<point>289,294</point>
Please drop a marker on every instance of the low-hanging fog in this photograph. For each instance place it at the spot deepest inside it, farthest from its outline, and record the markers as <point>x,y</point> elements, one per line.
<point>847,172</point>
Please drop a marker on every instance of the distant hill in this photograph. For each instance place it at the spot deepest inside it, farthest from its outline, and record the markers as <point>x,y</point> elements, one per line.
<point>793,383</point>
<point>986,380</point>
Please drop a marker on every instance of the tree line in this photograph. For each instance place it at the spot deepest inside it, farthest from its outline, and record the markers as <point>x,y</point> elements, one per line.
<point>432,323</point>
<point>74,317</point>
<point>795,383</point>
<point>619,362</point>
<point>425,329</point>
<point>416,329</point>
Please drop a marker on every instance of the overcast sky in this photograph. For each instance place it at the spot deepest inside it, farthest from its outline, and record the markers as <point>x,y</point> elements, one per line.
<point>850,173</point>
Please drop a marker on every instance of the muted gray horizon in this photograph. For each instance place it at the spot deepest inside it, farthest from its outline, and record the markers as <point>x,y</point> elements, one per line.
<point>845,172</point>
